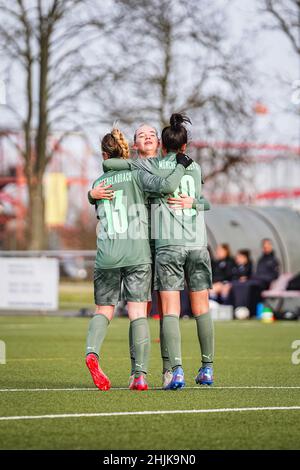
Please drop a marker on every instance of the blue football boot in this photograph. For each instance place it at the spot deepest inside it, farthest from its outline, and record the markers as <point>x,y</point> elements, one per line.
<point>177,381</point>
<point>205,376</point>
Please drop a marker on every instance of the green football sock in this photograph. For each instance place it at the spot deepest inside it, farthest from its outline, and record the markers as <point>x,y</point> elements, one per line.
<point>96,333</point>
<point>163,349</point>
<point>141,343</point>
<point>171,332</point>
<point>131,350</point>
<point>205,330</point>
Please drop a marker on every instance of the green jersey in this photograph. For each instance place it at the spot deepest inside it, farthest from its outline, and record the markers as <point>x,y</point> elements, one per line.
<point>168,226</point>
<point>122,238</point>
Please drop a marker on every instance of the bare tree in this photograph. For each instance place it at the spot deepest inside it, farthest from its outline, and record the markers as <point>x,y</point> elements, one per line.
<point>176,56</point>
<point>45,46</point>
<point>227,170</point>
<point>286,18</point>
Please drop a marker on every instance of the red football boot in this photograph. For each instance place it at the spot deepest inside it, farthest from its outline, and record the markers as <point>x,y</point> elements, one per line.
<point>99,378</point>
<point>139,383</point>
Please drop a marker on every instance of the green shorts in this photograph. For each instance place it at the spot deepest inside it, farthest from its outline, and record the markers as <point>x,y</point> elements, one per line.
<point>136,284</point>
<point>152,247</point>
<point>174,264</point>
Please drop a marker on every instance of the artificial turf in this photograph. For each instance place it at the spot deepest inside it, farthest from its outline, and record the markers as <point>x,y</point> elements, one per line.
<point>45,352</point>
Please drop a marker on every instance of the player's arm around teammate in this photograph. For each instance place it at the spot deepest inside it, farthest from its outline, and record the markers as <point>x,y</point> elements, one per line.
<point>180,201</point>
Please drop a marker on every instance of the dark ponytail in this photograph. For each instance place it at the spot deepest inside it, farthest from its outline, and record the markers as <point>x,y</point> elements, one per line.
<point>175,136</point>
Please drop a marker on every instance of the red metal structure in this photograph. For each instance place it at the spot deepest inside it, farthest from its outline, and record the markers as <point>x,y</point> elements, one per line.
<point>264,158</point>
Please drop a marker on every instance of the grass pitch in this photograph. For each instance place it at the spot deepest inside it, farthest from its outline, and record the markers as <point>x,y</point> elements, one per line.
<point>254,379</point>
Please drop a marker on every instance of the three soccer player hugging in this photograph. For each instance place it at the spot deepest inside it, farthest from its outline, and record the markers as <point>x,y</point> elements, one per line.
<point>151,236</point>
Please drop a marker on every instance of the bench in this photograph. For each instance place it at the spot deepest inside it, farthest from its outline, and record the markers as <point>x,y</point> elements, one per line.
<point>278,298</point>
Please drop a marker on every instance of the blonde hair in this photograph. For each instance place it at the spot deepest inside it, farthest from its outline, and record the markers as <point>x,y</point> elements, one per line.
<point>115,145</point>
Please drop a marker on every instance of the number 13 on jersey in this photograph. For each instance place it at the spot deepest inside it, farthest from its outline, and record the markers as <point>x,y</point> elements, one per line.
<point>116,214</point>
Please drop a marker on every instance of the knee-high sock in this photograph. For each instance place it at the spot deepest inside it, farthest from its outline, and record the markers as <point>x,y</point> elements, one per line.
<point>131,350</point>
<point>96,333</point>
<point>171,332</point>
<point>205,330</point>
<point>163,349</point>
<point>141,342</point>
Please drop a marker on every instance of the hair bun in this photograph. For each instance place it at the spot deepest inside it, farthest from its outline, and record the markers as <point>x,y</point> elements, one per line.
<point>177,119</point>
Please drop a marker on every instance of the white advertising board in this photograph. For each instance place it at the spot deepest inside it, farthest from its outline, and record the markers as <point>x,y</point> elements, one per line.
<point>29,283</point>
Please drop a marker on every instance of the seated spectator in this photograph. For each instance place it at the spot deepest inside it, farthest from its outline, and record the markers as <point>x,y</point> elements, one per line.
<point>248,293</point>
<point>241,273</point>
<point>268,266</point>
<point>222,267</point>
<point>243,266</point>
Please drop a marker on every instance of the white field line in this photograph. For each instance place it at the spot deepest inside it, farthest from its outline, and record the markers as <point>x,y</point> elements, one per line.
<point>94,389</point>
<point>143,413</point>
